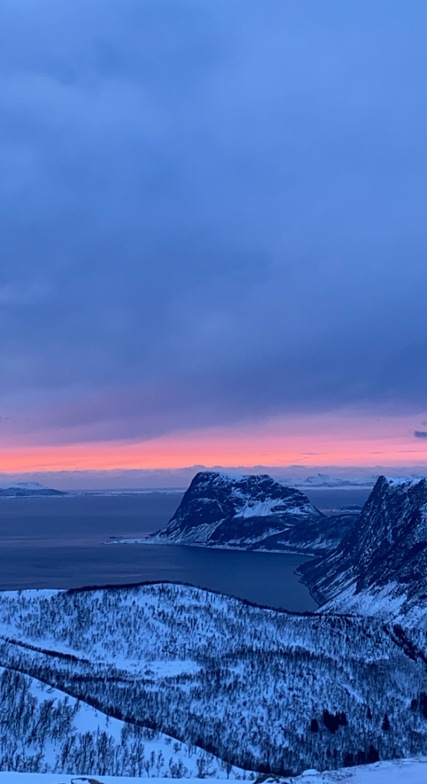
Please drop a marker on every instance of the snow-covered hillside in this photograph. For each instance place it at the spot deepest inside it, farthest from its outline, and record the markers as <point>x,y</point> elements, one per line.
<point>251,512</point>
<point>260,689</point>
<point>47,730</point>
<point>407,771</point>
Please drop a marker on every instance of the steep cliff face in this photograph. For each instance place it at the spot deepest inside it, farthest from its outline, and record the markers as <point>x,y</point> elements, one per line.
<point>249,512</point>
<point>381,565</point>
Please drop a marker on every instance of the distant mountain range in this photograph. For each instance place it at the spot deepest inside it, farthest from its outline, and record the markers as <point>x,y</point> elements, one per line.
<point>251,513</point>
<point>332,481</point>
<point>21,489</point>
<point>318,476</point>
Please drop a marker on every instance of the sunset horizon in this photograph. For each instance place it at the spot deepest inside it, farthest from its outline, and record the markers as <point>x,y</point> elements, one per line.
<point>350,440</point>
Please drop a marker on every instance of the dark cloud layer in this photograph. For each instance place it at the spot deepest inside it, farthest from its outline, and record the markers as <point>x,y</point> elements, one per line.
<point>211,212</point>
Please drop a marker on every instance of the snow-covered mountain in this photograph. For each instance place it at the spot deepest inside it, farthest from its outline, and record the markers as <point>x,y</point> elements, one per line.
<point>24,489</point>
<point>250,512</point>
<point>381,565</point>
<point>320,480</point>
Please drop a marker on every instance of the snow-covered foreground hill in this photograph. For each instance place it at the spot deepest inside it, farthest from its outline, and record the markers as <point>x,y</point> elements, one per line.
<point>43,729</point>
<point>259,689</point>
<point>407,771</point>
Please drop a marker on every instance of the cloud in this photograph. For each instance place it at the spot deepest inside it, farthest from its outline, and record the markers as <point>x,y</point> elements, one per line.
<point>420,434</point>
<point>21,294</point>
<point>210,217</point>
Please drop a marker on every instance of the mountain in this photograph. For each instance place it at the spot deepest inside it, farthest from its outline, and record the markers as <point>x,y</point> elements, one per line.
<point>25,489</point>
<point>251,512</point>
<point>381,565</point>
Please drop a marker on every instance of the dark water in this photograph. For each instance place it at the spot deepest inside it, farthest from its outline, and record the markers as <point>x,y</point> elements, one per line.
<point>59,543</point>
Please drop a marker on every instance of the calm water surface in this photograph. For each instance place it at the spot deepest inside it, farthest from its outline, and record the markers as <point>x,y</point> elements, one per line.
<point>59,543</point>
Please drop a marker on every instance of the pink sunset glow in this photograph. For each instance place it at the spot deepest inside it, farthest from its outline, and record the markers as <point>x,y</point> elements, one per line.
<point>322,440</point>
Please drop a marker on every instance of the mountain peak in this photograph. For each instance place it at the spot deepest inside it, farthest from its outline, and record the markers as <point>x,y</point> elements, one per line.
<point>381,565</point>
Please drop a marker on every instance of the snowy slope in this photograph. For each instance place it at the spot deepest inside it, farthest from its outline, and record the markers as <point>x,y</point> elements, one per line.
<point>242,682</point>
<point>406,771</point>
<point>47,730</point>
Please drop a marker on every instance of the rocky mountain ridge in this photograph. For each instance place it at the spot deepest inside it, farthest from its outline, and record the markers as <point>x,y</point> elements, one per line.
<point>381,564</point>
<point>250,512</point>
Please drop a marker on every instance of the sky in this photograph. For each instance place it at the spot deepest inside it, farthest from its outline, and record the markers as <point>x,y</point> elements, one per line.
<point>213,234</point>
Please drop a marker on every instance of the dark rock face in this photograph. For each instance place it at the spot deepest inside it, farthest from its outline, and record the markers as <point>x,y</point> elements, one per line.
<point>392,533</point>
<point>384,557</point>
<point>249,512</point>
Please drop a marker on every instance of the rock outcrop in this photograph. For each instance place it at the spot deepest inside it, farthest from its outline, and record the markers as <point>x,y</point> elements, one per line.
<point>252,513</point>
<point>381,565</point>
